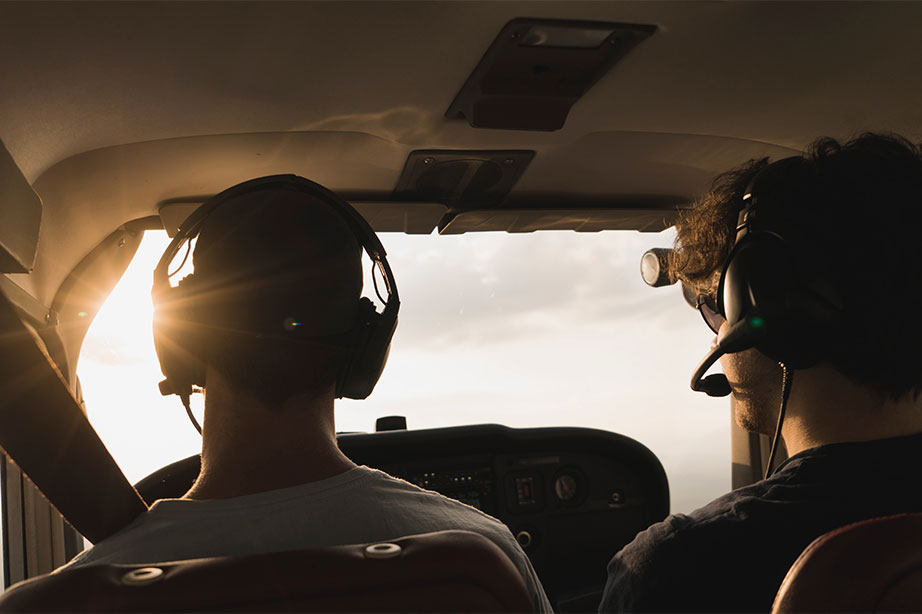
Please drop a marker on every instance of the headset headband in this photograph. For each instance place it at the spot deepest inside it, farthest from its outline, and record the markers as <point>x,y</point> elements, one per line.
<point>775,183</point>
<point>363,232</point>
<point>370,337</point>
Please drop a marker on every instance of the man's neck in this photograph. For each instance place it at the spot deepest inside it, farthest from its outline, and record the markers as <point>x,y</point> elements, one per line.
<point>827,407</point>
<point>248,447</point>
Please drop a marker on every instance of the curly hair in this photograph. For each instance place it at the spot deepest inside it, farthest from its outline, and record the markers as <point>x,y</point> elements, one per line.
<point>859,223</point>
<point>706,232</point>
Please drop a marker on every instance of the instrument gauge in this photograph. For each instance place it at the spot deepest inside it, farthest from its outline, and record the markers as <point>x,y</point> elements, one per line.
<point>566,487</point>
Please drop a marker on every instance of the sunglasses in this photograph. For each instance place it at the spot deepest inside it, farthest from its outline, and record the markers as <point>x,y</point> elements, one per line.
<point>707,305</point>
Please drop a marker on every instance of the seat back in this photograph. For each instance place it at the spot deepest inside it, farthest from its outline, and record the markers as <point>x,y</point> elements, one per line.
<point>869,566</point>
<point>447,571</point>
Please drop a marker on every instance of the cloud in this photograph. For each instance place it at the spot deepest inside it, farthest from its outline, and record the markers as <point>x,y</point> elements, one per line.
<point>475,290</point>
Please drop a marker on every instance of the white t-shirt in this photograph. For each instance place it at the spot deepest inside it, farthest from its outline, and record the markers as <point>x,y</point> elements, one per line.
<point>358,506</point>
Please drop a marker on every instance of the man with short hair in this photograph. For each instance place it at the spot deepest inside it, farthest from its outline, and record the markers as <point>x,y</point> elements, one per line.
<point>808,271</point>
<point>274,306</point>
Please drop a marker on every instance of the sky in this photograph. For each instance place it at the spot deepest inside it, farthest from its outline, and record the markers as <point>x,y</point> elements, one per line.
<point>543,329</point>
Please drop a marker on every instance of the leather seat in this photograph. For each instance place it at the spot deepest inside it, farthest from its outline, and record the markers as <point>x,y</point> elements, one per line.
<point>447,571</point>
<point>869,566</point>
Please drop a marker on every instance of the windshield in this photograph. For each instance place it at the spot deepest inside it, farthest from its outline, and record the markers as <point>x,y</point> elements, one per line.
<point>551,328</point>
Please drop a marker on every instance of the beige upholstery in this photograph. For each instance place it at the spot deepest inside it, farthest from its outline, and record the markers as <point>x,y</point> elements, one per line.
<point>447,571</point>
<point>869,566</point>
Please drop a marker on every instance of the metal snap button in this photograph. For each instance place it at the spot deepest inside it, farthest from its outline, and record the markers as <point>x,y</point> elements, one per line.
<point>382,551</point>
<point>141,576</point>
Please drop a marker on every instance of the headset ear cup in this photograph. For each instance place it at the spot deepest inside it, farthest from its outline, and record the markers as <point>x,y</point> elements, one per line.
<point>177,341</point>
<point>756,279</point>
<point>759,280</point>
<point>369,352</point>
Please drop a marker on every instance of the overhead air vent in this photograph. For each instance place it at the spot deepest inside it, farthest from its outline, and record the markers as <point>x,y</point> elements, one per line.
<point>536,69</point>
<point>461,179</point>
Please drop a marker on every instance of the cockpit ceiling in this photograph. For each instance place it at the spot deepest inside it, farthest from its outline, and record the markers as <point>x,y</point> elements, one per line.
<point>80,76</point>
<point>112,109</point>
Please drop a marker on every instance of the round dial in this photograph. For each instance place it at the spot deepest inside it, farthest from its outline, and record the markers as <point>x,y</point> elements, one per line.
<point>565,487</point>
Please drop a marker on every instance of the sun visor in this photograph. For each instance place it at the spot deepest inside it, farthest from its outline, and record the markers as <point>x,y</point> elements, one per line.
<point>174,214</point>
<point>581,220</point>
<point>409,218</point>
<point>20,217</point>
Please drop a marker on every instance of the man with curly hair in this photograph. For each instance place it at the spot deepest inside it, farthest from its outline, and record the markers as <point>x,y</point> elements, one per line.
<point>808,271</point>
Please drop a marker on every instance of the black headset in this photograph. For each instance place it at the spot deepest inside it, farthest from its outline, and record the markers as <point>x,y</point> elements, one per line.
<point>774,291</point>
<point>176,329</point>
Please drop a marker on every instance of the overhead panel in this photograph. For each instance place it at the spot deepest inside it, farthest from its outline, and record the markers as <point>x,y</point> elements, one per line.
<point>20,217</point>
<point>461,179</point>
<point>537,69</point>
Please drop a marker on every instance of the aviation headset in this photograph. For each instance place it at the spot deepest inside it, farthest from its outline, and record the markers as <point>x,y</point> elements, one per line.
<point>774,290</point>
<point>775,283</point>
<point>176,326</point>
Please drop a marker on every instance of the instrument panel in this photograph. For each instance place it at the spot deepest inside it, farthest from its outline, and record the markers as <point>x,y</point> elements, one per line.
<point>572,497</point>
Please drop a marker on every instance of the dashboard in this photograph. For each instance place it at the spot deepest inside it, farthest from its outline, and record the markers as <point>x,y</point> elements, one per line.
<point>572,497</point>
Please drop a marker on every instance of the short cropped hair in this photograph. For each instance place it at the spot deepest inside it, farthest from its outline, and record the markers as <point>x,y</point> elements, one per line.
<point>866,220</point>
<point>280,273</point>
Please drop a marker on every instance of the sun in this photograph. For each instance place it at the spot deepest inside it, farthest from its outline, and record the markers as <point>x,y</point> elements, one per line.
<point>119,372</point>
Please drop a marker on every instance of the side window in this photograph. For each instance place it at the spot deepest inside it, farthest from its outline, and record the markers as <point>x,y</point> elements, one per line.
<point>119,373</point>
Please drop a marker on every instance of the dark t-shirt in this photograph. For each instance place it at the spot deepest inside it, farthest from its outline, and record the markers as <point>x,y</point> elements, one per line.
<point>732,554</point>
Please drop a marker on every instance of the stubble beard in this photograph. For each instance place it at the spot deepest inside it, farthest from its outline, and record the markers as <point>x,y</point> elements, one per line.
<point>753,419</point>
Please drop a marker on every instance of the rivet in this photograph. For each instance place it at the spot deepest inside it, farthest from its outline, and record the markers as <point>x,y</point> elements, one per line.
<point>428,161</point>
